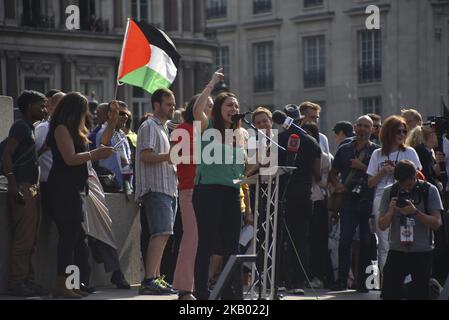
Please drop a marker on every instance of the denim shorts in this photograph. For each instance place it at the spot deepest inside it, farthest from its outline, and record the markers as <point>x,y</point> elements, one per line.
<point>160,210</point>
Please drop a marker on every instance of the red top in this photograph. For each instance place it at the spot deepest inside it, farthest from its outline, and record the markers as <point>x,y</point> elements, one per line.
<point>186,172</point>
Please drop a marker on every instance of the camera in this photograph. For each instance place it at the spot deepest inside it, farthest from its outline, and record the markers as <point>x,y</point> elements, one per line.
<point>357,186</point>
<point>403,197</point>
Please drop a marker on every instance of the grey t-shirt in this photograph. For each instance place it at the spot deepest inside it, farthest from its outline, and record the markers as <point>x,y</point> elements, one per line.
<point>423,235</point>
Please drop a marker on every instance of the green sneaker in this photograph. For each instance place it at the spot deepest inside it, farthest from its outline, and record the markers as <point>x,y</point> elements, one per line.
<point>154,287</point>
<point>165,284</point>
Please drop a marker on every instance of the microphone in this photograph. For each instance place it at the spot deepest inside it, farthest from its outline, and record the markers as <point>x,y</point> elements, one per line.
<point>281,118</point>
<point>239,116</point>
<point>293,148</point>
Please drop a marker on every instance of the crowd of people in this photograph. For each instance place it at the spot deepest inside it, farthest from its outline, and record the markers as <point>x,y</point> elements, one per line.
<point>381,195</point>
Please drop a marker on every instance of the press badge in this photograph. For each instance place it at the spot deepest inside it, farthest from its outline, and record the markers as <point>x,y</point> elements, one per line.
<point>407,237</point>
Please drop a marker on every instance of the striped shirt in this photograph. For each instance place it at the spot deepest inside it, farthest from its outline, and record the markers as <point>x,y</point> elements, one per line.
<point>158,177</point>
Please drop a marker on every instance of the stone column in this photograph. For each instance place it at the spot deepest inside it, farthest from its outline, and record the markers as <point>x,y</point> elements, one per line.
<point>12,76</point>
<point>7,118</point>
<point>67,73</point>
<point>118,15</point>
<point>198,16</point>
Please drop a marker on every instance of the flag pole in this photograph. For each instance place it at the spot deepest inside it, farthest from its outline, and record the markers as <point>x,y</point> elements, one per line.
<point>117,83</point>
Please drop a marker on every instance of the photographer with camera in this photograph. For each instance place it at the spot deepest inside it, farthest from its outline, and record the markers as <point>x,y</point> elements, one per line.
<point>381,168</point>
<point>412,210</point>
<point>352,161</point>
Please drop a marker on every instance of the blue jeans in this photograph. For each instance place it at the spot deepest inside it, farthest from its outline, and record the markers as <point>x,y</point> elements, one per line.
<point>352,214</point>
<point>160,211</point>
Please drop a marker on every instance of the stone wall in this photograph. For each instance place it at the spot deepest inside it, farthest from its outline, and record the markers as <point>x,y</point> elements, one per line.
<point>126,228</point>
<point>6,116</point>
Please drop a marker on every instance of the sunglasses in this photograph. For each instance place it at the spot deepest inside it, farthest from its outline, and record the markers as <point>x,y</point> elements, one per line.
<point>402,131</point>
<point>377,126</point>
<point>122,114</point>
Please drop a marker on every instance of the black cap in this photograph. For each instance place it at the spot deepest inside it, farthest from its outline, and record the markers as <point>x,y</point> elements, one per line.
<point>292,111</point>
<point>346,127</point>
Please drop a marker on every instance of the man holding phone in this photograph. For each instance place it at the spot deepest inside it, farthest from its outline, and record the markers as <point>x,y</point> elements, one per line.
<point>112,135</point>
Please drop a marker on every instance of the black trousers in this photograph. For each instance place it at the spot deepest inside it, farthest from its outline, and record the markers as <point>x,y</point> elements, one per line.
<point>72,249</point>
<point>319,230</point>
<point>218,215</point>
<point>298,215</point>
<point>398,266</point>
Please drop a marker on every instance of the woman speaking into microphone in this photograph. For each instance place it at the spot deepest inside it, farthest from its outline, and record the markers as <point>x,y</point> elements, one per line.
<point>216,197</point>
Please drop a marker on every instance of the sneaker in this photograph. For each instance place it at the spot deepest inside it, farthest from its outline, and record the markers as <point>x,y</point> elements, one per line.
<point>87,289</point>
<point>165,284</point>
<point>37,289</point>
<point>119,280</point>
<point>296,291</point>
<point>153,287</point>
<point>339,286</point>
<point>316,283</point>
<point>21,290</point>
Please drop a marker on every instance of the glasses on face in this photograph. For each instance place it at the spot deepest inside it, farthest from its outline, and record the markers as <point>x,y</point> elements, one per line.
<point>377,126</point>
<point>122,114</point>
<point>402,131</point>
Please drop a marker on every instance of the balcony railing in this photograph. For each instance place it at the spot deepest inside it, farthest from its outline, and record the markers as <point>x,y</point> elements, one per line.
<point>261,6</point>
<point>370,73</point>
<point>38,21</point>
<point>314,79</point>
<point>263,83</point>
<point>216,12</point>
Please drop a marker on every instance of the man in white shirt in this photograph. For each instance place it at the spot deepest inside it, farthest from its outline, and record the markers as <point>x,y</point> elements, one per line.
<point>311,113</point>
<point>41,131</point>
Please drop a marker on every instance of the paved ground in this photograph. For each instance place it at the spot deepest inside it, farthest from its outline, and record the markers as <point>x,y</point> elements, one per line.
<point>114,294</point>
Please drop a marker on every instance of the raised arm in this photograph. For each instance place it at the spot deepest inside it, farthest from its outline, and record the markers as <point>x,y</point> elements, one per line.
<point>112,123</point>
<point>201,102</point>
<point>66,147</point>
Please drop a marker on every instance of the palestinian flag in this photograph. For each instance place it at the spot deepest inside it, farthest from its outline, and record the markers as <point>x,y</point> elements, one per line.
<point>149,58</point>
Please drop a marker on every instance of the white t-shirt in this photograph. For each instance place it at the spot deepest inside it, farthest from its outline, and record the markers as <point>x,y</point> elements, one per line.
<point>324,143</point>
<point>46,159</point>
<point>378,160</point>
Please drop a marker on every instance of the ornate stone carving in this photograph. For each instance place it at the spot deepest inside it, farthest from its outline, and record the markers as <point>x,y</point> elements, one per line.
<point>37,68</point>
<point>92,70</point>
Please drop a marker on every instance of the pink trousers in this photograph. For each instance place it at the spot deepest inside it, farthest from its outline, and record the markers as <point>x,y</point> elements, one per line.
<point>185,266</point>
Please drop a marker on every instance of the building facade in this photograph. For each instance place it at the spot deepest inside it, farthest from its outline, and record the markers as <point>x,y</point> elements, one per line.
<point>277,52</point>
<point>37,51</point>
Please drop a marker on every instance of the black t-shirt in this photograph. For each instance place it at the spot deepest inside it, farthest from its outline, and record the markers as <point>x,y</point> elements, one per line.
<point>26,169</point>
<point>345,154</point>
<point>309,151</point>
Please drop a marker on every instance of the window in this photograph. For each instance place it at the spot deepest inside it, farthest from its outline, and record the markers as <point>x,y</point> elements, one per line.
<point>222,61</point>
<point>263,67</point>
<point>261,6</point>
<point>37,84</point>
<point>140,10</point>
<point>10,9</point>
<point>92,89</point>
<point>141,105</point>
<point>216,9</point>
<point>313,3</point>
<point>314,62</point>
<point>371,105</point>
<point>370,56</point>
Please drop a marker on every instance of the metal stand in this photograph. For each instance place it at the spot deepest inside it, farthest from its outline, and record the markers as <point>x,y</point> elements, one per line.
<point>267,187</point>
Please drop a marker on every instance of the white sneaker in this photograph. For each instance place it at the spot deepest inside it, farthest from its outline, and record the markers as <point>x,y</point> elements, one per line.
<point>316,283</point>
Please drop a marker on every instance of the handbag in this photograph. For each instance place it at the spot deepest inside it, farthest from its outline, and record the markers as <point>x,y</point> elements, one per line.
<point>107,180</point>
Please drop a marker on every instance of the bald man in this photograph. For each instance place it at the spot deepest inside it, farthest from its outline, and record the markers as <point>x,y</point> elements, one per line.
<point>101,113</point>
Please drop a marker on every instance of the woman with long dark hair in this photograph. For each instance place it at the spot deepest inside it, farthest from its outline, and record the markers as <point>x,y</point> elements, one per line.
<point>381,168</point>
<point>68,141</point>
<point>216,197</point>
